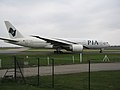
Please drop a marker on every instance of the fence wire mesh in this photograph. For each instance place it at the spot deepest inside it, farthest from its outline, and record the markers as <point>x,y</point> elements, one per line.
<point>38,71</point>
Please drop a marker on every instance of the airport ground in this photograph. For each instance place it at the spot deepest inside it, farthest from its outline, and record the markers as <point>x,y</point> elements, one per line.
<point>101,80</point>
<point>7,55</point>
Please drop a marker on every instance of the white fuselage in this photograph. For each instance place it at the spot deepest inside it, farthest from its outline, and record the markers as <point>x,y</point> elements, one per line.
<point>39,43</point>
<point>32,42</point>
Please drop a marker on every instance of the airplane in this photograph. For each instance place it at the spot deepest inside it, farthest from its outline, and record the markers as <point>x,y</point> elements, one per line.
<point>34,41</point>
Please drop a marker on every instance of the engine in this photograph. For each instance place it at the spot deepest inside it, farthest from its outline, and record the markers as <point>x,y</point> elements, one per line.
<point>76,48</point>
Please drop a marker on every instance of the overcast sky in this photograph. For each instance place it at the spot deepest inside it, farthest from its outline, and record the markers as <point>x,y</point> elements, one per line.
<point>84,19</point>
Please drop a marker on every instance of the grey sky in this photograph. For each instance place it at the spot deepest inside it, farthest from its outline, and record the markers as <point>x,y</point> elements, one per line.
<point>84,19</point>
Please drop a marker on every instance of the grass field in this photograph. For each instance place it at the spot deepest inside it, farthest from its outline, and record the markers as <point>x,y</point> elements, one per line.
<point>108,80</point>
<point>60,59</point>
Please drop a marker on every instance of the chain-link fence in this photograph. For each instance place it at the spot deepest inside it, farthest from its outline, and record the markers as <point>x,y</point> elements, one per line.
<point>62,73</point>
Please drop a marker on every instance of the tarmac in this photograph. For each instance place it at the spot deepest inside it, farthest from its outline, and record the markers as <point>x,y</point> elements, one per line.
<point>24,50</point>
<point>65,69</point>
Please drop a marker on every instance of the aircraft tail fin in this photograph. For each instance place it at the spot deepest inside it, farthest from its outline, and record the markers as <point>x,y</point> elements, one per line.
<point>13,32</point>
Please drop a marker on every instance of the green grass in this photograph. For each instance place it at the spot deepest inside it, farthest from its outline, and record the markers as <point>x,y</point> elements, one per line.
<point>60,59</point>
<point>102,80</point>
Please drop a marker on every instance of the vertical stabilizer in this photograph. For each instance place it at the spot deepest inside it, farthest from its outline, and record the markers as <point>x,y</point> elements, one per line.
<point>13,32</point>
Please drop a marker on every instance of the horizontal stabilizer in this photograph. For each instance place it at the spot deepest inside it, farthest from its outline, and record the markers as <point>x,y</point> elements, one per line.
<point>9,40</point>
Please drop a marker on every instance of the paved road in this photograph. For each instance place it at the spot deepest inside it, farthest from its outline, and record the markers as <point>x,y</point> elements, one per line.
<point>13,51</point>
<point>67,69</point>
<point>23,50</point>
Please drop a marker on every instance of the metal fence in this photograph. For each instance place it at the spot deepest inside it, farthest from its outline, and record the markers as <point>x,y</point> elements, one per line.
<point>46,72</point>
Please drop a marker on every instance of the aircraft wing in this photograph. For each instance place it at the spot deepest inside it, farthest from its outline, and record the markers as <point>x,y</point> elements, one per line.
<point>9,40</point>
<point>55,41</point>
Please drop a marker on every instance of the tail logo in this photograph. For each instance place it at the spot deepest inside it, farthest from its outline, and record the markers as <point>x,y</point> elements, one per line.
<point>13,32</point>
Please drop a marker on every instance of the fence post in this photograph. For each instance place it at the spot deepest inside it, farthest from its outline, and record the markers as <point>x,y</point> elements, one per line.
<point>73,58</point>
<point>0,63</point>
<point>38,71</point>
<point>52,73</point>
<point>80,57</point>
<point>48,60</point>
<point>89,77</point>
<point>15,67</point>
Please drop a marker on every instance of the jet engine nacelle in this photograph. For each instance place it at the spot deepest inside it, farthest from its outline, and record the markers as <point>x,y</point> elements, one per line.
<point>77,48</point>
